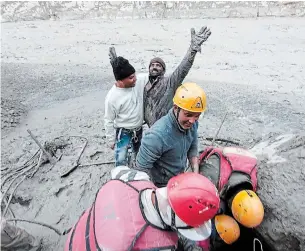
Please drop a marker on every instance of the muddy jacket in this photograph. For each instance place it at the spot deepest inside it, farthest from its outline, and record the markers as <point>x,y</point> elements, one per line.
<point>159,94</point>
<point>165,149</point>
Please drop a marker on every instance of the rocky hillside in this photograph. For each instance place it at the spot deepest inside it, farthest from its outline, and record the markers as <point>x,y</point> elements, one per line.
<point>12,11</point>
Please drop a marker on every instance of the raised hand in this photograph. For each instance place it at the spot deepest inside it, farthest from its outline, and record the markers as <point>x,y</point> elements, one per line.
<point>197,39</point>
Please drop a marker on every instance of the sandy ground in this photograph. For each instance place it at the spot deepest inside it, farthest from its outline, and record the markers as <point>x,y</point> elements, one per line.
<point>55,76</point>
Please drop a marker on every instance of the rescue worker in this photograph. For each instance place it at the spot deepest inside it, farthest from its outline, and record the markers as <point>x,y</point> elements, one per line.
<point>130,213</point>
<point>233,171</point>
<point>225,231</point>
<point>160,89</point>
<point>123,116</point>
<point>14,238</point>
<point>173,139</point>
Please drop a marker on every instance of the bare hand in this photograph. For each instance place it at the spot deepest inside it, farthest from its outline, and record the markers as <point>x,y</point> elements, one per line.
<point>112,146</point>
<point>197,39</point>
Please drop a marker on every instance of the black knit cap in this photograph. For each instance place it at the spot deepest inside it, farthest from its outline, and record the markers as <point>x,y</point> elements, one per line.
<point>122,69</point>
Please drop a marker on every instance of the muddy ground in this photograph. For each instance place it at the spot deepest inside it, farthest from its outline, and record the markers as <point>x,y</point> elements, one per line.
<point>55,75</point>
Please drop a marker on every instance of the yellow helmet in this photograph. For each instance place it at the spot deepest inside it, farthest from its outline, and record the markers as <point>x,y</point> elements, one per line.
<point>227,228</point>
<point>190,97</point>
<point>247,208</point>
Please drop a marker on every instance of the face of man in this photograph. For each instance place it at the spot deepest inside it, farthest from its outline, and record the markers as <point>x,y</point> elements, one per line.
<point>185,118</point>
<point>155,69</point>
<point>129,81</point>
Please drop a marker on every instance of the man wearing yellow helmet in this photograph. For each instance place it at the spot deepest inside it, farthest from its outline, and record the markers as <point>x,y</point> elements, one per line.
<point>172,140</point>
<point>234,172</point>
<point>225,231</point>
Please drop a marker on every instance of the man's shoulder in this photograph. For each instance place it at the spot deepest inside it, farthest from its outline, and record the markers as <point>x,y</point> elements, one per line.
<point>113,95</point>
<point>110,92</point>
<point>126,174</point>
<point>161,126</point>
<point>162,123</point>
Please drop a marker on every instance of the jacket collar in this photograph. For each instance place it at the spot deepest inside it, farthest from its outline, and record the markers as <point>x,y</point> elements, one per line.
<point>175,121</point>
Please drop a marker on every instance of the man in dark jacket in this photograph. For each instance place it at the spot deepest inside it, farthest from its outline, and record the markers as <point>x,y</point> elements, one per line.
<point>160,89</point>
<point>172,140</point>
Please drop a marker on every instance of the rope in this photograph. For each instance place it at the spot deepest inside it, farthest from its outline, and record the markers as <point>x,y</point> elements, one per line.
<point>257,240</point>
<point>38,223</point>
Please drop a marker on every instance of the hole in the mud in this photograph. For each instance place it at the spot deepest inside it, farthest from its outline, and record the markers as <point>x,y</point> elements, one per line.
<point>245,242</point>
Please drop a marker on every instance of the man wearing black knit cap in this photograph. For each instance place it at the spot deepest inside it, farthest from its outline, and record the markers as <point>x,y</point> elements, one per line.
<point>124,111</point>
<point>159,89</point>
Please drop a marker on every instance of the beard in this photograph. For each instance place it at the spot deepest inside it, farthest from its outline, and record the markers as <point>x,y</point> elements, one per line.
<point>155,73</point>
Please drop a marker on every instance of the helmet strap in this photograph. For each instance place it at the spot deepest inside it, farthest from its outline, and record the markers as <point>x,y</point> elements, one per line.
<point>173,221</point>
<point>177,116</point>
<point>165,226</point>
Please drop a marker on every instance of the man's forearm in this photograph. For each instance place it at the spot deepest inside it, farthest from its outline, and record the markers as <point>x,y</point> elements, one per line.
<point>109,131</point>
<point>183,68</point>
<point>195,163</point>
<point>189,58</point>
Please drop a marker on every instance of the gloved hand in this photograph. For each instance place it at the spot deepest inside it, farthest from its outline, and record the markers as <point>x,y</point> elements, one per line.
<point>197,39</point>
<point>112,55</point>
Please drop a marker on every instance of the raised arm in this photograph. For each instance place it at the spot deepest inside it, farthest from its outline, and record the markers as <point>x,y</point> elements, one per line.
<point>197,39</point>
<point>112,55</point>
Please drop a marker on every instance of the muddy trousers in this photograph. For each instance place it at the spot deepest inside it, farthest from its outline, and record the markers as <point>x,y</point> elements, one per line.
<point>127,145</point>
<point>16,239</point>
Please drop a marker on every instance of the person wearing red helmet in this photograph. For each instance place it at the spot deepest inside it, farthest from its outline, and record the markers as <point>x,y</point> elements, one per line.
<point>131,213</point>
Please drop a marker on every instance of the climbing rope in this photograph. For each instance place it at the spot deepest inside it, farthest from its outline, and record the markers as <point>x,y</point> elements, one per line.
<point>38,223</point>
<point>257,240</point>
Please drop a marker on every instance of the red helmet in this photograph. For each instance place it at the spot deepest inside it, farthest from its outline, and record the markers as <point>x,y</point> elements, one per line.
<point>193,198</point>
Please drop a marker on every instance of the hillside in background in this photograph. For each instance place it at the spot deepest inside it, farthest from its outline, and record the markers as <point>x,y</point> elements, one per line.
<point>12,11</point>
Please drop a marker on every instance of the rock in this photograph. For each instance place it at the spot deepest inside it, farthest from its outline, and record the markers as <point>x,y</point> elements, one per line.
<point>281,177</point>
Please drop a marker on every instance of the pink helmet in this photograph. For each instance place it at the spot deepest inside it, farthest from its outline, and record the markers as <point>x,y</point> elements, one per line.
<point>193,198</point>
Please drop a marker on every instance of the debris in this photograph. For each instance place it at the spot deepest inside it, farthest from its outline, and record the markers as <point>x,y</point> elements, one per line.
<point>77,161</point>
<point>40,146</point>
<point>223,120</point>
<point>11,196</point>
<point>38,223</point>
<point>98,163</point>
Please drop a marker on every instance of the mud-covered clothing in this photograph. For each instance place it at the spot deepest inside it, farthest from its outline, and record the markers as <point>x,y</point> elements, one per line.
<point>159,94</point>
<point>165,149</point>
<point>16,239</point>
